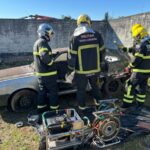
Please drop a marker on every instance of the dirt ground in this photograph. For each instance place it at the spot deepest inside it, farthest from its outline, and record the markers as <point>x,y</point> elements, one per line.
<point>26,138</point>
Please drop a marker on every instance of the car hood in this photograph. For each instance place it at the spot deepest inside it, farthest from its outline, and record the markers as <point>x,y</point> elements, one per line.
<point>20,71</point>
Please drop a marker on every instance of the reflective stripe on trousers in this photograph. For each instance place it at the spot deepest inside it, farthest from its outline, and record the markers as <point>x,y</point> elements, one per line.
<point>128,98</point>
<point>140,98</point>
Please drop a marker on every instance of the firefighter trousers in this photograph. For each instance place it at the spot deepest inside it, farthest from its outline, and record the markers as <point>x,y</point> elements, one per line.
<point>136,88</point>
<point>48,93</point>
<point>81,82</point>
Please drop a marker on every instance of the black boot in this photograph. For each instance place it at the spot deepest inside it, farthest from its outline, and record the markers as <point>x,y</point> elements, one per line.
<point>139,106</point>
<point>125,106</point>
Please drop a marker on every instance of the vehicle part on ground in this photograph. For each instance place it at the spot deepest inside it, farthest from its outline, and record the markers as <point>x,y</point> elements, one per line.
<point>106,125</point>
<point>112,86</point>
<point>17,78</point>
<point>19,124</point>
<point>110,127</point>
<point>97,142</point>
<point>23,100</point>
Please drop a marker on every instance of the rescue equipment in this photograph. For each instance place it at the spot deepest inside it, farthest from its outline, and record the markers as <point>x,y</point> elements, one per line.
<point>107,126</point>
<point>64,128</point>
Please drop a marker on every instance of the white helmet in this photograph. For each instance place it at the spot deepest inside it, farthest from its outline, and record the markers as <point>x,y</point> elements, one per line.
<point>45,29</point>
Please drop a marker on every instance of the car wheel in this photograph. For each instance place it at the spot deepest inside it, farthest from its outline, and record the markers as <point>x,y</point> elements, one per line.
<point>23,100</point>
<point>112,87</point>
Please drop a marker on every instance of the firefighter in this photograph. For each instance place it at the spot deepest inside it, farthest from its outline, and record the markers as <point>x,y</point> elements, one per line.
<point>85,56</point>
<point>45,69</point>
<point>139,68</point>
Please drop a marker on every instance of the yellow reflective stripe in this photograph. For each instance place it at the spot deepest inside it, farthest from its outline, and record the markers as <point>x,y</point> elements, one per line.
<point>127,101</point>
<point>46,74</point>
<point>42,49</point>
<point>36,53</point>
<point>102,48</point>
<point>129,96</point>
<point>87,72</point>
<point>49,53</point>
<point>73,51</point>
<point>62,124</point>
<point>142,56</point>
<point>96,102</point>
<point>80,60</point>
<point>54,107</point>
<point>82,108</point>
<point>41,106</point>
<point>148,82</point>
<point>131,65</point>
<point>138,54</point>
<point>140,100</point>
<point>84,47</point>
<point>146,57</point>
<point>141,96</point>
<point>129,90</point>
<point>50,63</point>
<point>141,70</point>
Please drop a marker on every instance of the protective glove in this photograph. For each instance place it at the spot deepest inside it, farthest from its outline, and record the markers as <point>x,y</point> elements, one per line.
<point>55,55</point>
<point>69,75</point>
<point>127,70</point>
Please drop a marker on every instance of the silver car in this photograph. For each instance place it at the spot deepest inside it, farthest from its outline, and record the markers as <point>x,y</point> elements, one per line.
<point>19,87</point>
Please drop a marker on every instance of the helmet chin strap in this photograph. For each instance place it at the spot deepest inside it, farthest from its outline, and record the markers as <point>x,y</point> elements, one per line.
<point>47,37</point>
<point>137,39</point>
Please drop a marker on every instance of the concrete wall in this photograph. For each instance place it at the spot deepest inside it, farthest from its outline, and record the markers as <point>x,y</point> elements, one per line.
<point>18,35</point>
<point>119,29</point>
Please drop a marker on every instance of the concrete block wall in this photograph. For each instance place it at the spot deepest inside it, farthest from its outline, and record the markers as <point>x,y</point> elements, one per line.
<point>18,35</point>
<point>119,29</point>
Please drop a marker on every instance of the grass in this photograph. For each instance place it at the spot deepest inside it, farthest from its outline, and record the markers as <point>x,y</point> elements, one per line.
<point>13,138</point>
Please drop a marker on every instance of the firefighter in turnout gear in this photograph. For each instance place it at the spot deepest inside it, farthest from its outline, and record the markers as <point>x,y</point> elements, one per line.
<point>45,69</point>
<point>140,68</point>
<point>85,55</point>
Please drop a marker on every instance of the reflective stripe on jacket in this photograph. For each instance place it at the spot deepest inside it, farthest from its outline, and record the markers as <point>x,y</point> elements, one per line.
<point>43,58</point>
<point>141,62</point>
<point>85,52</point>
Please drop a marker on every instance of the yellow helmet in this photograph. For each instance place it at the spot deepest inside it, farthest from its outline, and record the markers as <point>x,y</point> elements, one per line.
<point>138,30</point>
<point>84,19</point>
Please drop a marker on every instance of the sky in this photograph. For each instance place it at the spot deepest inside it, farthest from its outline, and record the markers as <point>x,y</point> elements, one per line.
<point>56,8</point>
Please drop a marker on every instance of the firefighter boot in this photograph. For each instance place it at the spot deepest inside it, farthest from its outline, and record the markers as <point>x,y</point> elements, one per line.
<point>125,106</point>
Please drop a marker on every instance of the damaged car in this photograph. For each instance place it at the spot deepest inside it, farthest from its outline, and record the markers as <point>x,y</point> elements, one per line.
<point>19,87</point>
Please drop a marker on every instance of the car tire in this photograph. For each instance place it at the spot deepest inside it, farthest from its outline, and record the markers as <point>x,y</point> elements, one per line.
<point>112,87</point>
<point>23,100</point>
